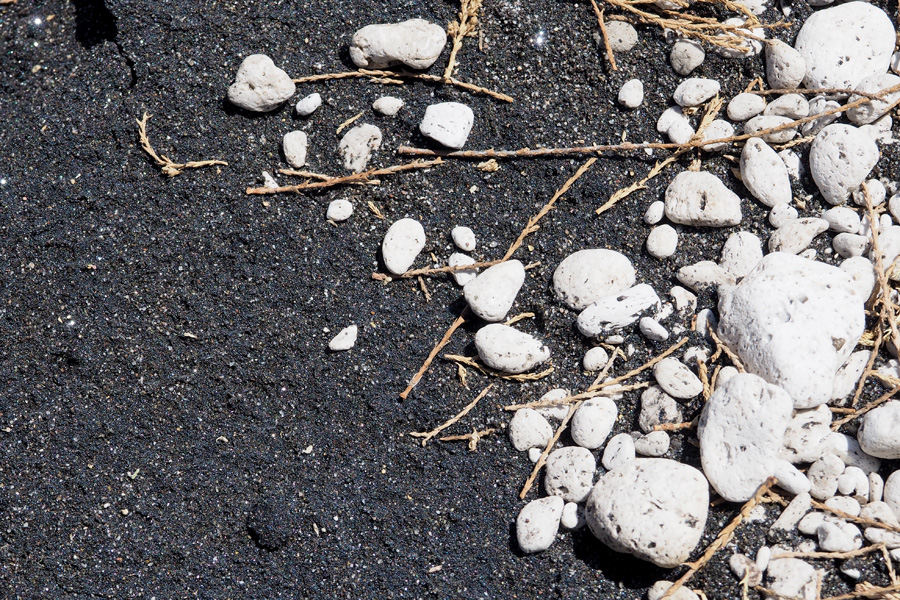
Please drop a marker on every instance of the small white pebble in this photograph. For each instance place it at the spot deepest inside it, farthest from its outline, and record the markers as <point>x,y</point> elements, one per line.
<point>464,238</point>
<point>652,330</point>
<point>387,106</point>
<point>781,214</point>
<point>339,210</point>
<point>595,359</point>
<point>631,94</point>
<point>662,241</point>
<point>657,210</point>
<point>344,340</point>
<point>308,105</point>
<point>622,36</point>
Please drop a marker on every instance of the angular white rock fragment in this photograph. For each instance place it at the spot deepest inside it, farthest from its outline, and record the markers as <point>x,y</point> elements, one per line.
<point>854,481</point>
<point>653,330</point>
<point>876,488</point>
<point>537,524</point>
<point>617,310</point>
<point>695,91</point>
<point>339,210</point>
<point>848,450</point>
<point>657,408</point>
<point>415,43</point>
<point>448,123</point>
<point>464,238</point>
<point>294,146</point>
<point>793,578</point>
<point>791,162</point>
<point>269,181</point>
<point>740,432</point>
<point>652,508</point>
<point>357,146</point>
<point>881,512</point>
<point>492,293</point>
<point>704,274</point>
<point>793,512</point>
<point>659,589</point>
<point>662,241</point>
<point>618,452</point>
<point>790,479</point>
<point>839,537</point>
<point>595,359</point>
<point>622,36</point>
<point>655,443</point>
<point>741,253</point>
<point>572,517</point>
<point>795,236</point>
<point>809,524</point>
<point>509,350</point>
<point>717,130</point>
<point>593,422</point>
<point>744,568</point>
<point>745,106</point>
<point>402,243</point>
<point>676,379</point>
<point>685,301</point>
<point>845,44</point>
<point>764,173</point>
<point>569,473</point>
<point>701,199</point>
<point>757,125</point>
<point>790,307</point>
<point>686,56</point>
<point>840,159</point>
<point>674,124</point>
<point>785,66</point>
<point>657,210</point>
<point>259,85</point>
<point>587,276</point>
<point>823,476</point>
<point>781,214</point>
<point>892,492</point>
<point>879,434</point>
<point>792,106</point>
<point>308,105</point>
<point>387,105</point>
<point>872,111</point>
<point>529,429</point>
<point>806,436</point>
<point>631,94</point>
<point>457,259</point>
<point>842,219</point>
<point>344,340</point>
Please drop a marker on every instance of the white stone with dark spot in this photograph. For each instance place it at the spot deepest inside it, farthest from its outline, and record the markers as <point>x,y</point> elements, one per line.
<point>569,473</point>
<point>294,146</point>
<point>840,159</point>
<point>464,238</point>
<point>617,310</point>
<point>308,105</point>
<point>719,129</point>
<point>448,123</point>
<point>823,476</point>
<point>556,412</point>
<point>741,253</point>
<point>764,173</point>
<point>492,293</point>
<point>344,340</point>
<point>704,274</point>
<point>509,350</point>
<point>655,443</point>
<point>587,276</point>
<point>761,123</point>
<point>259,85</point>
<point>785,66</point>
<point>795,236</point>
<point>806,436</point>
<point>529,429</point>
<point>781,214</point>
<point>619,452</point>
<point>339,210</point>
<point>657,408</point>
<point>402,243</point>
<point>415,43</point>
<point>593,422</point>
<point>792,106</point>
<point>792,578</point>
<point>842,219</point>
<point>622,36</point>
<point>357,146</point>
<point>538,523</point>
<point>387,105</point>
<point>695,91</point>
<point>700,198</point>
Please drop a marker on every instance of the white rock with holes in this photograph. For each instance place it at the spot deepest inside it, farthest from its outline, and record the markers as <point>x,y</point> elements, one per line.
<point>448,123</point>
<point>795,236</point>
<point>593,421</point>
<point>792,578</point>
<point>764,173</point>
<point>401,245</point>
<point>676,379</point>
<point>538,523</point>
<point>785,66</point>
<point>617,310</point>
<point>745,106</point>
<point>569,473</point>
<point>704,274</point>
<point>357,146</point>
<point>741,253</point>
<point>806,436</point>
<point>587,276</point>
<point>415,43</point>
<point>529,429</point>
<point>701,199</point>
<point>655,443</point>
<point>879,434</point>
<point>339,210</point>
<point>259,85</point>
<point>695,91</point>
<point>509,350</point>
<point>492,293</point>
<point>840,159</point>
<point>686,56</point>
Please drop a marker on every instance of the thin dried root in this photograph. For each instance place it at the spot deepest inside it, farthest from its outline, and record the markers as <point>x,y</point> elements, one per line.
<point>543,458</point>
<point>851,554</point>
<point>430,434</point>
<point>461,28</point>
<point>473,438</point>
<point>485,370</point>
<point>475,89</point>
<point>602,24</point>
<point>356,178</point>
<point>168,166</point>
<point>434,352</point>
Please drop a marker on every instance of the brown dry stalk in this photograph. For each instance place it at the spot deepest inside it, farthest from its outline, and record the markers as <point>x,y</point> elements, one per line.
<point>868,371</point>
<point>424,289</point>
<point>347,179</point>
<point>475,89</point>
<point>543,459</point>
<point>722,347</point>
<point>722,539</point>
<point>448,269</point>
<point>434,352</point>
<point>169,167</point>
<point>464,26</point>
<point>609,51</point>
<point>887,313</point>
<point>307,174</point>
<point>675,426</point>
<point>348,122</point>
<point>848,517</point>
<point>519,317</point>
<point>858,413</point>
<point>473,438</point>
<point>430,434</point>
<point>868,591</point>
<point>2,2</point>
<point>613,391</point>
<point>851,554</point>
<point>641,368</point>
<point>485,370</point>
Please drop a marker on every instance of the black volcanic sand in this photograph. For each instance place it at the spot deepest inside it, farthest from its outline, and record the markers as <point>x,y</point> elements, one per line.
<point>163,341</point>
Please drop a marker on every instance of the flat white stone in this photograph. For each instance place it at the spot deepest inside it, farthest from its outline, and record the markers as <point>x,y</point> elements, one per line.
<point>793,512</point>
<point>764,173</point>
<point>842,219</point>
<point>569,473</point>
<point>781,214</point>
<point>792,578</point>
<point>655,443</point>
<point>415,43</point>
<point>676,379</point>
<point>631,94</point>
<point>795,236</point>
<point>823,476</point>
<point>761,123</point>
<point>840,159</point>
<point>339,210</point>
<point>745,106</point>
<point>464,238</point>
<point>357,146</point>
<point>659,589</point>
<point>622,36</point>
<point>740,432</point>
<point>662,241</point>
<point>402,243</point>
<point>785,66</point>
<point>344,340</point>
<point>686,56</point>
<point>879,434</point>
<point>844,503</point>
<point>387,105</point>
<point>509,350</point>
<point>848,450</point>
<point>848,245</point>
<point>790,478</point>
<point>529,429</point>
<point>595,359</point>
<point>538,523</point>
<point>587,276</point>
<point>872,111</point>
<point>719,129</point>
<point>653,330</point>
<point>741,253</point>
<point>294,146</point>
<point>619,452</point>
<point>492,293</point>
<point>462,278</point>
<point>792,106</point>
<point>652,508</point>
<point>839,537</point>
<point>704,274</point>
<point>308,104</point>
<point>695,91</point>
<point>448,123</point>
<point>617,310</point>
<point>701,199</point>
<point>593,421</point>
<point>806,436</point>
<point>259,85</point>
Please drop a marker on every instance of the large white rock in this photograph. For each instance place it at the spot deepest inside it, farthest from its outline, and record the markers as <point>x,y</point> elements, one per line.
<point>537,524</point>
<point>840,159</point>
<point>448,123</point>
<point>785,67</point>
<point>357,146</point>
<point>879,434</point>
<point>652,508</point>
<point>593,422</point>
<point>492,293</point>
<point>401,245</point>
<point>586,276</point>
<point>259,85</point>
<point>792,578</point>
<point>740,431</point>
<point>700,198</point>
<point>806,436</point>
<point>415,43</point>
<point>845,44</point>
<point>872,111</point>
<point>509,350</point>
<point>764,173</point>
<point>794,322</point>
<point>617,311</point>
<point>569,473</point>
<point>529,429</point>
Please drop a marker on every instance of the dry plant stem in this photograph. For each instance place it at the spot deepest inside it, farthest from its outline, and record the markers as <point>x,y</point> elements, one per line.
<point>307,174</point>
<point>578,397</point>
<point>543,459</point>
<point>721,347</point>
<point>424,289</point>
<point>849,517</point>
<point>722,539</point>
<point>439,270</point>
<point>168,166</point>
<point>473,438</point>
<point>858,413</point>
<point>609,52</point>
<point>873,592</point>
<point>868,372</point>
<point>675,426</point>
<point>468,20</point>
<point>347,179</point>
<point>421,76</point>
<point>430,434</point>
<point>434,352</point>
<point>851,554</point>
<point>348,122</point>
<point>2,2</point>
<point>484,370</point>
<point>519,317</point>
<point>640,369</point>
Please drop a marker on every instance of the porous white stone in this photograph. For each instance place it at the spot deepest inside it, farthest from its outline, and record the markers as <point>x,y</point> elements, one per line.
<point>617,310</point>
<point>745,106</point>
<point>741,253</point>
<point>448,123</point>
<point>848,245</point>
<point>795,236</point>
<point>823,476</point>
<point>793,512</point>
<point>848,450</point>
<point>569,473</point>
<point>757,125</point>
<point>806,436</point>
<point>572,517</point>
<point>657,210</point>
<point>785,66</point>
<point>700,198</point>
<point>557,412</point>
<point>686,56</point>
<point>655,443</point>
<point>790,478</point>
<point>308,105</point>
<point>840,159</point>
<point>892,492</point>
<point>622,36</point>
<point>676,379</point>
<point>695,91</point>
<point>529,429</point>
<point>792,578</point>
<point>719,129</point>
<point>294,146</point>
<point>402,243</point>
<point>877,194</point>
<point>415,43</point>
<point>657,408</point>
<point>653,330</point>
<point>357,146</point>
<point>619,452</point>
<point>509,350</point>
<point>809,524</point>
<point>793,106</point>
<point>593,421</point>
<point>704,274</point>
<point>740,432</point>
<point>881,512</point>
<point>631,94</point>
<point>879,434</point>
<point>781,214</point>
<point>587,276</point>
<point>339,210</point>
<point>464,238</point>
<point>595,359</point>
<point>537,524</point>
<point>259,85</point>
<point>492,293</point>
<point>662,241</point>
<point>818,106</point>
<point>872,111</point>
<point>652,508</point>
<point>839,537</point>
<point>844,503</point>
<point>458,259</point>
<point>842,219</point>
<point>344,340</point>
<point>387,105</point>
<point>764,173</point>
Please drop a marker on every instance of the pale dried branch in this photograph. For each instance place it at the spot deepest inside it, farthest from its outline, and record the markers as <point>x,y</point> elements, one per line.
<point>485,370</point>
<point>167,165</point>
<point>475,89</point>
<point>434,352</point>
<point>603,32</point>
<point>464,26</point>
<point>543,458</point>
<point>473,438</point>
<point>355,178</point>
<point>430,434</point>
<point>831,555</point>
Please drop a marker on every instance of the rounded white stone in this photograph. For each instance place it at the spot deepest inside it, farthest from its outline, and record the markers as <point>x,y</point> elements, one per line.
<point>617,310</point>
<point>593,421</point>
<point>569,473</point>
<point>657,408</point>
<point>587,276</point>
<point>631,94</point>
<point>659,589</point>
<point>308,105</point>
<point>464,238</point>
<point>537,524</point>
<point>741,253</point>
<point>339,210</point>
<point>655,443</point>
<point>557,412</point>
<point>781,214</point>
<point>657,210</point>
<point>701,199</point>
<point>842,219</point>
<point>387,105</point>
<point>764,173</point>
<point>529,429</point>
<point>619,452</point>
<point>795,236</point>
<point>877,194</point>
<point>695,91</point>
<point>878,434</point>
<point>704,274</point>
<point>686,56</point>
<point>840,159</point>
<point>492,293</point>
<point>848,245</point>
<point>463,277</point>
<point>792,106</point>
<point>595,359</point>
<point>622,36</point>
<point>415,43</point>
<point>761,123</point>
<point>823,476</point>
<point>662,241</point>
<point>344,340</point>
<point>294,146</point>
<point>357,146</point>
<point>572,516</point>
<point>448,123</point>
<point>676,379</point>
<point>509,350</point>
<point>652,330</point>
<point>745,106</point>
<point>259,85</point>
<point>402,244</point>
<point>785,67</point>
<point>717,130</point>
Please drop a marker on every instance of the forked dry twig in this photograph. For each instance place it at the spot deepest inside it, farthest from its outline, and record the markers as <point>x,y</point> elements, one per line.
<point>609,52</point>
<point>430,434</point>
<point>473,438</point>
<point>475,89</point>
<point>167,165</point>
<point>356,178</point>
<point>464,26</point>
<point>434,352</point>
<point>485,370</point>
<point>543,458</point>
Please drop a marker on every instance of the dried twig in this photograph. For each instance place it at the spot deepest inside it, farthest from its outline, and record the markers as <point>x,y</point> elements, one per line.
<point>430,434</point>
<point>348,122</point>
<point>473,438</point>
<point>827,555</point>
<point>347,179</point>
<point>464,26</point>
<point>722,347</point>
<point>863,410</point>
<point>519,317</point>
<point>402,75</point>
<point>647,365</point>
<point>2,2</point>
<point>543,458</point>
<point>169,167</point>
<point>434,352</point>
<point>675,426</point>
<point>307,174</point>
<point>868,371</point>
<point>580,397</point>
<point>867,591</point>
<point>485,370</point>
<point>603,32</point>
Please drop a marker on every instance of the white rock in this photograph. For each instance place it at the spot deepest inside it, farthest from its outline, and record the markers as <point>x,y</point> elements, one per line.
<point>492,293</point>
<point>842,219</point>
<point>845,503</point>
<point>879,511</point>
<point>587,276</point>
<point>652,330</point>
<point>756,125</point>
<point>448,123</point>
<point>785,66</point>
<point>402,244</point>
<point>845,44</point>
<point>569,473</point>
<point>740,432</point>
<point>617,310</point>
<point>618,452</point>
<point>695,91</point>
<point>790,479</point>
<point>534,454</point>
<point>876,489</point>
<point>878,434</point>
<point>848,450</point>
<point>792,106</point>
<point>509,350</point>
<point>686,56</point>
<point>259,85</point>
<point>872,111</point>
<point>622,36</point>
<point>823,476</point>
<point>792,163</point>
<point>652,508</point>
<point>572,517</point>
<point>862,272</point>
<point>344,340</point>
<point>795,236</point>
<point>877,194</point>
<point>892,492</point>
<point>741,253</point>
<point>659,589</point>
<point>806,436</point>
<point>339,210</point>
<point>717,130</point>
<point>595,359</point>
<point>593,421</point>
<point>781,214</point>
<point>464,238</point>
<point>387,105</point>
<point>557,412</point>
<point>685,301</point>
<point>676,379</point>
<point>657,408</point>
<point>848,245</point>
<point>746,48</point>
<point>631,94</point>
<point>463,277</point>
<point>744,568</point>
<point>662,241</point>
<point>809,524</point>
<point>269,181</point>
<point>817,106</point>
<point>655,443</point>
<point>701,199</point>
<point>792,578</point>
<point>415,43</point>
<point>793,512</point>
<point>790,307</point>
<point>529,429</point>
<point>357,146</point>
<point>745,106</point>
<point>764,173</point>
<point>657,210</point>
<point>725,374</point>
<point>674,124</point>
<point>294,146</point>
<point>704,274</point>
<point>839,537</point>
<point>876,535</point>
<point>840,159</point>
<point>537,524</point>
<point>308,105</point>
